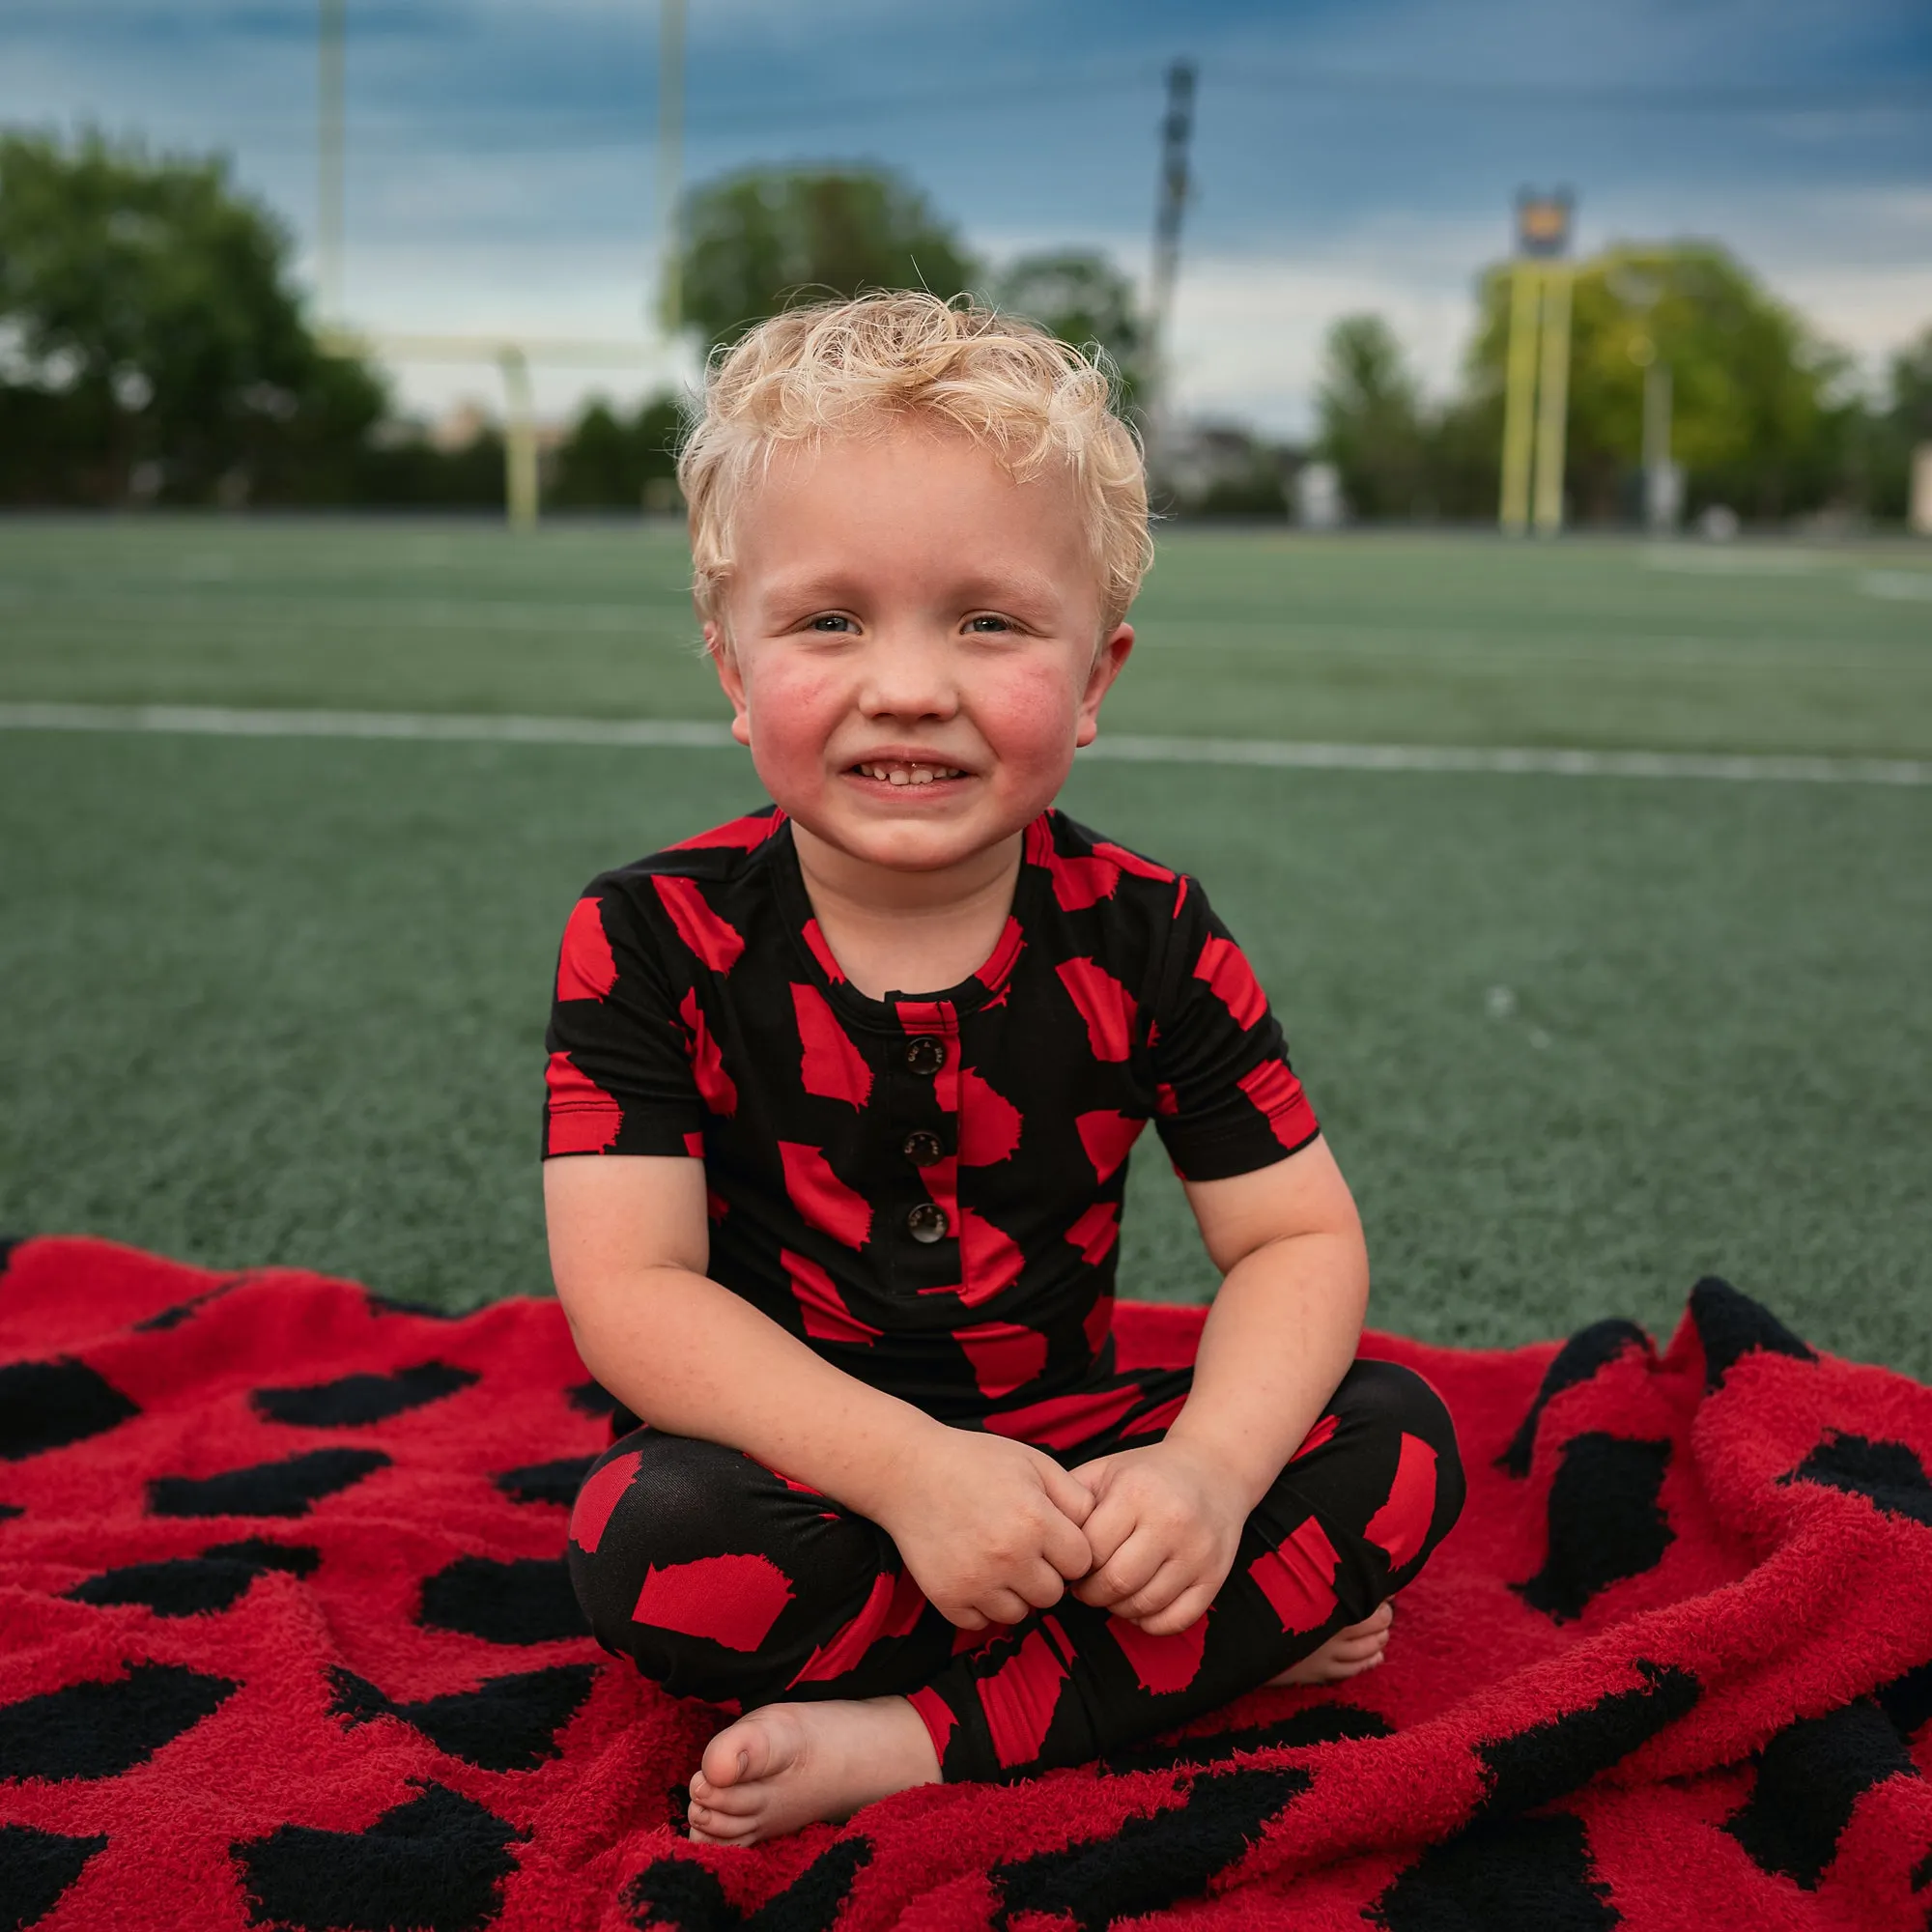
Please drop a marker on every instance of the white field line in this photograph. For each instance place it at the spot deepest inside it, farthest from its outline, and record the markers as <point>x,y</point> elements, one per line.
<point>1268,753</point>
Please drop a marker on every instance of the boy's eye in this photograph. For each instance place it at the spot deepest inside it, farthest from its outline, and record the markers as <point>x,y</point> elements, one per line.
<point>832,621</point>
<point>986,621</point>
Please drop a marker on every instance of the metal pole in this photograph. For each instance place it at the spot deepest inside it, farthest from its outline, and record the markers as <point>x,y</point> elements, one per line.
<point>671,164</point>
<point>1177,134</point>
<point>329,89</point>
<point>520,439</point>
<point>1519,398</point>
<point>1659,506</point>
<point>1553,414</point>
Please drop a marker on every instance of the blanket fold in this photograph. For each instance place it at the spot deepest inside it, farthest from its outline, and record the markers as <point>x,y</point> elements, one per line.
<point>286,1640</point>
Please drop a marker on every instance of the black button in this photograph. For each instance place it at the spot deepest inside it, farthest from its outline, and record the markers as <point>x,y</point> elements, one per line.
<point>926,1054</point>
<point>927,1222</point>
<point>923,1149</point>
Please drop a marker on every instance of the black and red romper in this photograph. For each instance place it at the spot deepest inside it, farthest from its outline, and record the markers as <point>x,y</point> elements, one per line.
<point>926,1190</point>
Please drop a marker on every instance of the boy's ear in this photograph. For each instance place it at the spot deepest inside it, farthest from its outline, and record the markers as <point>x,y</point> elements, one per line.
<point>1107,664</point>
<point>718,647</point>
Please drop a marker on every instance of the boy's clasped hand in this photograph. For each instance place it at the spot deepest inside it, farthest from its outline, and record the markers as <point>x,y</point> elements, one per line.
<point>993,1529</point>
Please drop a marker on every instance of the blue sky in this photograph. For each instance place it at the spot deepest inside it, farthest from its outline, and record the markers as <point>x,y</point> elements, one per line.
<point>1348,157</point>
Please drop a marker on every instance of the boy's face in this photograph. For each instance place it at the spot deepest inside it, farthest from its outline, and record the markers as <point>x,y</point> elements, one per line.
<point>912,642</point>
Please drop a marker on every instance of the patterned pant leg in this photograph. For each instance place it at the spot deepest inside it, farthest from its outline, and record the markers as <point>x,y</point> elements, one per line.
<point>724,1580</point>
<point>1374,1488</point>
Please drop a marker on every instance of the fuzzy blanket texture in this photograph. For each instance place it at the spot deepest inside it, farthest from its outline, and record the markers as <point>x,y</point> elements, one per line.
<point>286,1640</point>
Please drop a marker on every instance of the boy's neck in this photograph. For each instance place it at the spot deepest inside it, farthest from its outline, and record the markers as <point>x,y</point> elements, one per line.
<point>908,932</point>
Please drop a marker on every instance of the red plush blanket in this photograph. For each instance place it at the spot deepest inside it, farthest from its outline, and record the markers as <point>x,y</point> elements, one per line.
<point>286,1640</point>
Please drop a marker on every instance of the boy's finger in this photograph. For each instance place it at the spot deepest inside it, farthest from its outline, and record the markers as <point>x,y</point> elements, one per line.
<point>1068,1494</point>
<point>1006,1607</point>
<point>1067,1550</point>
<point>1125,1572</point>
<point>1183,1613</point>
<point>1043,1586</point>
<point>1110,1526</point>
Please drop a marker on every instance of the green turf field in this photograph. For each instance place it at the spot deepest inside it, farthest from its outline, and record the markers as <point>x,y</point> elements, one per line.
<point>1575,1039</point>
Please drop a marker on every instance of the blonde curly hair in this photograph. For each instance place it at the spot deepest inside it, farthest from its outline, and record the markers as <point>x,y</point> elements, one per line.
<point>861,366</point>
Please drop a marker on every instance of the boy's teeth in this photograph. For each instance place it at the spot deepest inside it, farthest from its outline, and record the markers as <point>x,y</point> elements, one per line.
<point>902,775</point>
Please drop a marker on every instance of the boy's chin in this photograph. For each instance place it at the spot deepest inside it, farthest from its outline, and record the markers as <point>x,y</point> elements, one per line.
<point>909,844</point>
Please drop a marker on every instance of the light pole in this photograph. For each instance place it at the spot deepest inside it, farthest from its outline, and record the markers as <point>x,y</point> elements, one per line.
<point>671,164</point>
<point>1177,134</point>
<point>328,156</point>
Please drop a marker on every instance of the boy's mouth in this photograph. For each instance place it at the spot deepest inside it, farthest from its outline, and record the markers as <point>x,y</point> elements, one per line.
<point>905,772</point>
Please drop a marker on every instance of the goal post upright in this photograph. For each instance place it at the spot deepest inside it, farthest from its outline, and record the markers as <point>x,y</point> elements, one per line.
<point>1536,381</point>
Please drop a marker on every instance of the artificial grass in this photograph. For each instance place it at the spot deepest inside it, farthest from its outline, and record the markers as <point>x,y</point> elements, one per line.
<point>1380,639</point>
<point>284,1002</point>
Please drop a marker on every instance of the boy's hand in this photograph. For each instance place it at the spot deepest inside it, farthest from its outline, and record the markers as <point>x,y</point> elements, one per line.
<point>990,1529</point>
<point>1163,1529</point>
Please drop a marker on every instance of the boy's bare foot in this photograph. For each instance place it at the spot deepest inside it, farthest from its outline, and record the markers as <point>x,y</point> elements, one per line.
<point>1348,1650</point>
<point>788,1765</point>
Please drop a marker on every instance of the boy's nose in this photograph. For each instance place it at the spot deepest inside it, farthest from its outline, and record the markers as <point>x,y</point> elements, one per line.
<point>907,676</point>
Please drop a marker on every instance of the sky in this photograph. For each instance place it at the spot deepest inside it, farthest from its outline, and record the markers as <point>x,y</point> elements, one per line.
<point>502,173</point>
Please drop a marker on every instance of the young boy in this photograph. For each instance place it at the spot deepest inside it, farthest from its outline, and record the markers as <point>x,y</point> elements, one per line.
<point>864,1071</point>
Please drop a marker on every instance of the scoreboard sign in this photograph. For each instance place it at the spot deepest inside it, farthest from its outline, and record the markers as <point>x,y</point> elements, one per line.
<point>1542,223</point>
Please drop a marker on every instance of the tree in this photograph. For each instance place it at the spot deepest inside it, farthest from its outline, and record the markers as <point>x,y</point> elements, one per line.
<point>1368,409</point>
<point>1083,299</point>
<point>1759,419</point>
<point>158,345</point>
<point>760,239</point>
<point>608,463</point>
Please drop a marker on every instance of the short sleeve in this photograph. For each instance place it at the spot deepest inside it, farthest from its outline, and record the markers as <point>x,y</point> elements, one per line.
<point>1227,1101</point>
<point>620,1077</point>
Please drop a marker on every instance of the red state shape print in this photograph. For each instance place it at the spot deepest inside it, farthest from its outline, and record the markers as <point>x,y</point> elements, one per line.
<point>1164,1665</point>
<point>1103,1003</point>
<point>1401,1526</point>
<point>715,941</point>
<point>590,1513</point>
<point>1298,1579</point>
<point>1230,980</point>
<point>584,967</point>
<point>737,834</point>
<point>1096,1230</point>
<point>1325,1427</point>
<point>891,1608</point>
<point>1132,862</point>
<point>582,1117</point>
<point>1108,1136</point>
<point>1277,1092</point>
<point>822,1307</point>
<point>997,968</point>
<point>938,1718</point>
<point>731,1600</point>
<point>720,1091</point>
<point>989,1124</point>
<point>1063,1420</point>
<point>816,943</point>
<point>1020,1697</point>
<point>989,1258</point>
<point>1005,1356</point>
<point>821,1198</point>
<point>1079,883</point>
<point>829,1063</point>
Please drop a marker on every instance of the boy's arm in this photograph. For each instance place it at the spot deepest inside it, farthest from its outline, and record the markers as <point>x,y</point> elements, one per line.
<point>988,1533</point>
<point>1279,1337</point>
<point>1287,1319</point>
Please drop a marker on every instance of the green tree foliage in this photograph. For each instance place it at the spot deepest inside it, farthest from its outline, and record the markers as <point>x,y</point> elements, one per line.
<point>1899,427</point>
<point>1759,419</point>
<point>1370,418</point>
<point>609,462</point>
<point>154,343</point>
<point>1082,297</point>
<point>761,239</point>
